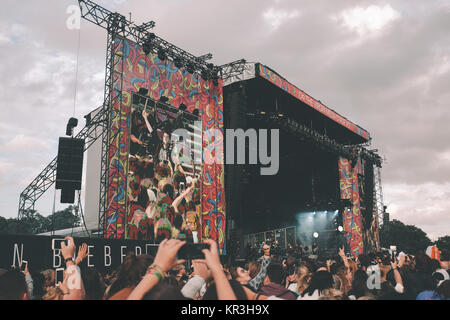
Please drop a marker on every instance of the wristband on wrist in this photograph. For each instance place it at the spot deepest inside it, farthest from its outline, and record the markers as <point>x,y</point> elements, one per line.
<point>156,271</point>
<point>67,260</point>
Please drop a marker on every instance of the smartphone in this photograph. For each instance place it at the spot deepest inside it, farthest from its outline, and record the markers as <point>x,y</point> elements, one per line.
<point>56,243</point>
<point>192,251</point>
<point>59,275</point>
<point>182,186</point>
<point>23,265</point>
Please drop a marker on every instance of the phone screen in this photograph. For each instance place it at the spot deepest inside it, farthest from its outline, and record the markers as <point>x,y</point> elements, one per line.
<point>56,243</point>
<point>192,251</point>
<point>24,265</point>
<point>59,275</point>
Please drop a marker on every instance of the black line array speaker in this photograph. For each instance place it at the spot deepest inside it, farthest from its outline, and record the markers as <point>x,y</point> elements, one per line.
<point>69,168</point>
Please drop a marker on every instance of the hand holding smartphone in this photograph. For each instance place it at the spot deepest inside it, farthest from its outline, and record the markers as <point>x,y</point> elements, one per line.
<point>59,276</point>
<point>56,243</point>
<point>23,266</point>
<point>192,251</point>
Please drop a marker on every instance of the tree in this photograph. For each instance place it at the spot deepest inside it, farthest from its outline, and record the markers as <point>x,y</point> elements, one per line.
<point>407,238</point>
<point>443,243</point>
<point>65,219</point>
<point>34,223</point>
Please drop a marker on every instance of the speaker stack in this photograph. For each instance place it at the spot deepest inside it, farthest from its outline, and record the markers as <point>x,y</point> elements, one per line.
<point>69,168</point>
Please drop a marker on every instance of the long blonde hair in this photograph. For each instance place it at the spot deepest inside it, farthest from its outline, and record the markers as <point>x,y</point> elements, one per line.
<point>304,276</point>
<point>54,293</point>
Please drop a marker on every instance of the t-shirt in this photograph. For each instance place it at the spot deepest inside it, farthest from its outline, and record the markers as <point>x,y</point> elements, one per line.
<point>429,295</point>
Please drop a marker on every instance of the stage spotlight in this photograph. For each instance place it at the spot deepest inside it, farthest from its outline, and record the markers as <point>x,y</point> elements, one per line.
<point>88,119</point>
<point>178,63</point>
<point>73,122</point>
<point>147,48</point>
<point>182,107</point>
<point>190,68</point>
<point>162,55</point>
<point>315,235</point>
<point>164,99</point>
<point>143,91</point>
<point>205,75</point>
<point>215,80</point>
<point>340,228</point>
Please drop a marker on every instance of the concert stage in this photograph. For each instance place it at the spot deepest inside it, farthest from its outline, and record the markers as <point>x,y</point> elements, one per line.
<point>137,187</point>
<point>323,161</point>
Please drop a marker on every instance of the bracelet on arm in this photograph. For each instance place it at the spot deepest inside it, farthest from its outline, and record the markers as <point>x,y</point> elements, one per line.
<point>156,271</point>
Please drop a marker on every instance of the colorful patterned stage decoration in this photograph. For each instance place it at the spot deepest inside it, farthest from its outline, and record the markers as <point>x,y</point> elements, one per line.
<point>277,80</point>
<point>353,225</point>
<point>150,182</point>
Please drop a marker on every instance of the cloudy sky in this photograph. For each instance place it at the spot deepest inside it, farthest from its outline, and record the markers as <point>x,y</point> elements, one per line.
<point>385,65</point>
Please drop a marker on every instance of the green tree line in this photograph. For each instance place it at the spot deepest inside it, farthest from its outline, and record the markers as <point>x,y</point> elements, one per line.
<point>33,222</point>
<point>409,238</point>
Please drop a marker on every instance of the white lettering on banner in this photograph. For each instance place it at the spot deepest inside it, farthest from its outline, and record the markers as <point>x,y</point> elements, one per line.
<point>89,255</point>
<point>57,256</point>
<point>107,256</point>
<point>138,251</point>
<point>122,255</point>
<point>19,256</point>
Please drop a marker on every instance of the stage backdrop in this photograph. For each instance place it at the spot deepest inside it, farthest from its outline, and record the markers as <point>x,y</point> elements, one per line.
<point>162,78</point>
<point>352,219</point>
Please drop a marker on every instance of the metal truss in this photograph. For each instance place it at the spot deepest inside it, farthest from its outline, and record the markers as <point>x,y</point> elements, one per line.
<point>233,69</point>
<point>320,140</point>
<point>140,34</point>
<point>47,177</point>
<point>378,203</point>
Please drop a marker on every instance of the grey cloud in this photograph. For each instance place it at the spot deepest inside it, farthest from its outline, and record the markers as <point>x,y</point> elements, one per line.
<point>389,83</point>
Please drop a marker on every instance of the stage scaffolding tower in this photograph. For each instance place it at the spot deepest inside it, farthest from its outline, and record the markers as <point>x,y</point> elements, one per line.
<point>118,29</point>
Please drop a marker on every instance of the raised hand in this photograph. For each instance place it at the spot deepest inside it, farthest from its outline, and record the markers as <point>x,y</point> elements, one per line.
<point>212,257</point>
<point>166,257</point>
<point>69,250</point>
<point>201,269</point>
<point>82,253</point>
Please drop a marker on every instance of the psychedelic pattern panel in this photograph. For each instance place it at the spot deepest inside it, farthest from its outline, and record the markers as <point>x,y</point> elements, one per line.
<point>162,78</point>
<point>115,214</point>
<point>352,219</point>
<point>274,78</point>
<point>213,202</point>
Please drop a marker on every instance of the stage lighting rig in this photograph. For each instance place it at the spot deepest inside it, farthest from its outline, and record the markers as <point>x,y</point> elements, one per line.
<point>182,107</point>
<point>162,54</point>
<point>73,123</point>
<point>164,99</point>
<point>178,63</point>
<point>205,75</point>
<point>190,68</point>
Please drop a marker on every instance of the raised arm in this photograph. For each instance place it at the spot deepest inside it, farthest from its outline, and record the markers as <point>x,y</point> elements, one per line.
<point>398,278</point>
<point>344,257</point>
<point>145,115</point>
<point>255,283</point>
<point>73,287</point>
<point>224,290</point>
<point>165,260</point>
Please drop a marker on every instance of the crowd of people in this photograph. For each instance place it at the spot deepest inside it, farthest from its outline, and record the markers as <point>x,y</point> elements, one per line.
<point>374,276</point>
